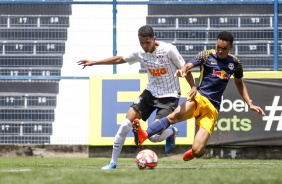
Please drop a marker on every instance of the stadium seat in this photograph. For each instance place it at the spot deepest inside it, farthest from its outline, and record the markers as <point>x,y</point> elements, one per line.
<point>35,37</point>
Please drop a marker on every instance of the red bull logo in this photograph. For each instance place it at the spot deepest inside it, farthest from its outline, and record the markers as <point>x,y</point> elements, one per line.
<point>221,74</point>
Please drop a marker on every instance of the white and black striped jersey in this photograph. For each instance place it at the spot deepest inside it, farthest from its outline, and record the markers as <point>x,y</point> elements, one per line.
<point>161,66</point>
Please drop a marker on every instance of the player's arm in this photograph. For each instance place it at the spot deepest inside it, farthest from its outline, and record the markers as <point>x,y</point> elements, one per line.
<point>198,60</point>
<point>184,70</point>
<point>107,61</point>
<point>242,89</point>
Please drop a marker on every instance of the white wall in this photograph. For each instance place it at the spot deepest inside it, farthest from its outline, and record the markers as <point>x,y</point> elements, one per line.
<point>90,37</point>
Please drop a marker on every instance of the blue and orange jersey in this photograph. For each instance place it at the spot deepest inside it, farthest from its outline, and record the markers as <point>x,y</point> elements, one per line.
<point>215,74</point>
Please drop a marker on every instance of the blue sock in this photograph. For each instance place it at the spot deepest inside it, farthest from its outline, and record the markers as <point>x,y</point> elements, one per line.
<point>158,126</point>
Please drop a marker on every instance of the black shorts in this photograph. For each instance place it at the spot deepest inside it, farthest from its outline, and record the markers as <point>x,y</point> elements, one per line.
<point>147,103</point>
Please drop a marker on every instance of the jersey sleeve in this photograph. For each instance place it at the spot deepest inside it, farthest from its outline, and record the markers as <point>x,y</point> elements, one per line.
<point>132,57</point>
<point>200,58</point>
<point>239,70</point>
<point>176,57</point>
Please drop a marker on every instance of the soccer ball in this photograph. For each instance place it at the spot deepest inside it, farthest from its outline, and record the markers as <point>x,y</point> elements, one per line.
<point>146,159</point>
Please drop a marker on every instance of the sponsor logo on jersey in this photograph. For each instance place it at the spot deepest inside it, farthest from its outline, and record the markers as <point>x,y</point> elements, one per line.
<point>157,71</point>
<point>145,60</point>
<point>221,74</point>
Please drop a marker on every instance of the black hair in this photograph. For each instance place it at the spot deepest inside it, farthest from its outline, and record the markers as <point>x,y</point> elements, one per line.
<point>146,31</point>
<point>226,36</point>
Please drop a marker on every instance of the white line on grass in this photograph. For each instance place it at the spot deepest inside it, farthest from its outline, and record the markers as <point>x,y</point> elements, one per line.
<point>15,170</point>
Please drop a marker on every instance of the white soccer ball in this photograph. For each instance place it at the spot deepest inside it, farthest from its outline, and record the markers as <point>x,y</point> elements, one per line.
<point>146,159</point>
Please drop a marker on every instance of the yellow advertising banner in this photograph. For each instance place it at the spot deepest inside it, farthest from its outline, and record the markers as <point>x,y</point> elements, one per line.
<point>112,95</point>
<point>110,99</point>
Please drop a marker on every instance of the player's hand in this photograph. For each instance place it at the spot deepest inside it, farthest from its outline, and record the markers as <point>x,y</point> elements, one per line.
<point>192,93</point>
<point>257,109</point>
<point>84,63</point>
<point>180,73</point>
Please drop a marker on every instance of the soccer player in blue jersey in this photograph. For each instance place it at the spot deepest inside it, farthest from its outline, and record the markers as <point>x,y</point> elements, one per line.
<point>203,102</point>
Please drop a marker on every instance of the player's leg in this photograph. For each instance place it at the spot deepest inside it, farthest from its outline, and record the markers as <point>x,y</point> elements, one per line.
<point>164,135</point>
<point>186,113</point>
<point>198,147</point>
<point>183,112</point>
<point>120,137</point>
<point>165,106</point>
<point>140,109</point>
<point>169,135</point>
<point>206,116</point>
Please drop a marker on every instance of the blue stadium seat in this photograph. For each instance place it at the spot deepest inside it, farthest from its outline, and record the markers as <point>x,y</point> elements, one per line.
<point>192,21</point>
<point>12,139</point>
<point>32,72</point>
<point>37,86</point>
<point>27,115</point>
<point>54,21</point>
<point>50,48</point>
<point>29,61</point>
<point>246,35</point>
<point>25,129</point>
<point>33,34</point>
<point>22,100</point>
<point>224,21</point>
<point>18,48</point>
<point>161,21</point>
<point>3,22</point>
<point>189,48</point>
<point>253,48</point>
<point>23,21</point>
<point>256,21</point>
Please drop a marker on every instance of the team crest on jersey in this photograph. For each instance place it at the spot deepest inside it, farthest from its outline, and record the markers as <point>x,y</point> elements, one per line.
<point>231,66</point>
<point>137,101</point>
<point>160,60</point>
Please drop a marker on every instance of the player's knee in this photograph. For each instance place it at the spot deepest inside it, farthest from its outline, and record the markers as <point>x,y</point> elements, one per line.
<point>174,117</point>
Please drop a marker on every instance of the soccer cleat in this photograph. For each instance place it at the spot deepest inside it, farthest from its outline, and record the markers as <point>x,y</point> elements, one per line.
<point>188,155</point>
<point>140,135</point>
<point>109,166</point>
<point>170,141</point>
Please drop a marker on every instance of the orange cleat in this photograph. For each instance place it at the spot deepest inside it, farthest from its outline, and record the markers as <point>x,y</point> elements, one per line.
<point>140,135</point>
<point>188,155</point>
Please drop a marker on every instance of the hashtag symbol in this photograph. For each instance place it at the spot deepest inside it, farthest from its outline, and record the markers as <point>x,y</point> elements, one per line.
<point>271,117</point>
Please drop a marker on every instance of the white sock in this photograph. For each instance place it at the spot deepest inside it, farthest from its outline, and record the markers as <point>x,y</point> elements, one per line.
<point>159,138</point>
<point>120,136</point>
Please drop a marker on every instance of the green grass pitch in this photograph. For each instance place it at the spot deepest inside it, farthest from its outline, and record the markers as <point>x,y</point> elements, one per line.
<point>31,170</point>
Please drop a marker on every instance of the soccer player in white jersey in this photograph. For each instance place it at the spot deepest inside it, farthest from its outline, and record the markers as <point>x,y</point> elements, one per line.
<point>162,92</point>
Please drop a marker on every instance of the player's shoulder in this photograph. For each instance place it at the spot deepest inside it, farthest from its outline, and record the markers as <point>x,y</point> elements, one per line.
<point>234,58</point>
<point>166,45</point>
<point>206,53</point>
